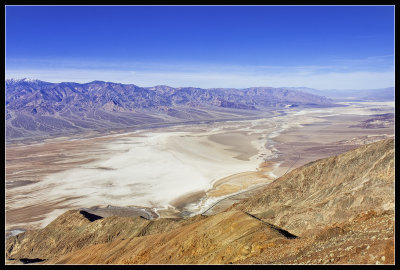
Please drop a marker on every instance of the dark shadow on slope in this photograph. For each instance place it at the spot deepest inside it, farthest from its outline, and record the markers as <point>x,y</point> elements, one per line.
<point>285,233</point>
<point>26,260</point>
<point>90,217</point>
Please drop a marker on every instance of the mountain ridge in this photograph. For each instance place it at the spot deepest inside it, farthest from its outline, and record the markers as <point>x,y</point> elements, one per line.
<point>376,94</point>
<point>36,108</point>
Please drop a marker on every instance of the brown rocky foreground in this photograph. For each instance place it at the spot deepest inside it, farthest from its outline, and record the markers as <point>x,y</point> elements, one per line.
<point>337,210</point>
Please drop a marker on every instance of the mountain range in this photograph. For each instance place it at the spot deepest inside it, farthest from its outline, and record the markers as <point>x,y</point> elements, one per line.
<point>378,94</point>
<point>36,108</point>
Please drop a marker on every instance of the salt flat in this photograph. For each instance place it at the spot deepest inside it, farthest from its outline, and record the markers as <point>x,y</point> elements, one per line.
<point>145,168</point>
<point>186,167</point>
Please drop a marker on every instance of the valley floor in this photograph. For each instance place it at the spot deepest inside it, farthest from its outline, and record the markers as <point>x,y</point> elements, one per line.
<point>180,170</point>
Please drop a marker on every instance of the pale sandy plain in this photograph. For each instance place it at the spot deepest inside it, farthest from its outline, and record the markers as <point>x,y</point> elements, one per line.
<point>174,170</point>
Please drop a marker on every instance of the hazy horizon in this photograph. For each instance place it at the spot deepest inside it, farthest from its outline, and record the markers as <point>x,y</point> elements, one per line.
<point>85,82</point>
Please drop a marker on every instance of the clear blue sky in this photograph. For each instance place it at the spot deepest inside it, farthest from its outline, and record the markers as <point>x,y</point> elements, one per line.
<point>325,47</point>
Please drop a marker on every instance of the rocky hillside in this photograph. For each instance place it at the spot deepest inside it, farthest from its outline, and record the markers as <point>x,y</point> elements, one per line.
<point>35,108</point>
<point>328,190</point>
<point>335,210</point>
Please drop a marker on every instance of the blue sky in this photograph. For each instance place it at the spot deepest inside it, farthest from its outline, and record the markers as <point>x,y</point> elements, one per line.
<point>323,47</point>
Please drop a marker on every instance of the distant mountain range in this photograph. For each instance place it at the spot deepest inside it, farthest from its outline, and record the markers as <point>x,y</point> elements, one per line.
<point>36,108</point>
<point>379,94</point>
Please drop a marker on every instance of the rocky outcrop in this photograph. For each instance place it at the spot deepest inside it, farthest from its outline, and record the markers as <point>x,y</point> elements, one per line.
<point>334,210</point>
<point>75,230</point>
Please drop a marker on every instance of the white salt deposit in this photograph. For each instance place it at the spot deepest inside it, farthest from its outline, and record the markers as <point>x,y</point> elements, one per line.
<point>151,171</point>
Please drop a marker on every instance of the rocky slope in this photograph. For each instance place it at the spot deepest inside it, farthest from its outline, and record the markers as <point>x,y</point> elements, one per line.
<point>335,210</point>
<point>330,190</point>
<point>37,108</point>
